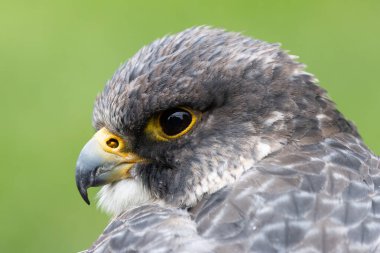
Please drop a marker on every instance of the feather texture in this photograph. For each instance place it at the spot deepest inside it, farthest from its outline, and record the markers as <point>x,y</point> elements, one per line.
<point>321,197</point>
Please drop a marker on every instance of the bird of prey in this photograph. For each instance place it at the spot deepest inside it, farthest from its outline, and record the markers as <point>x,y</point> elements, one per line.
<point>211,141</point>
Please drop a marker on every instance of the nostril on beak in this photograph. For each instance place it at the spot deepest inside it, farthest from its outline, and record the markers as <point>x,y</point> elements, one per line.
<point>112,143</point>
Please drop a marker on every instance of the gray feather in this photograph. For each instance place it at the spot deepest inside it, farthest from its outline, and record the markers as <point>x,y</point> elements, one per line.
<point>273,207</point>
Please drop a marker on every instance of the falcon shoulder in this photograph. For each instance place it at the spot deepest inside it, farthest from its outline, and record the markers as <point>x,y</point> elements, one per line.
<point>151,228</point>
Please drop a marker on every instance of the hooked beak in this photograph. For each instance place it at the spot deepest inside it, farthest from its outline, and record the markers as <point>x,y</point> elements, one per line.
<point>103,160</point>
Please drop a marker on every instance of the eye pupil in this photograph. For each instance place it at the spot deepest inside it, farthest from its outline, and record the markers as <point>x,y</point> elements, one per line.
<point>174,121</point>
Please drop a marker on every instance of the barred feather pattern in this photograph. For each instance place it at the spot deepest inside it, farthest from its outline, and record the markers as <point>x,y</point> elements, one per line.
<point>320,197</point>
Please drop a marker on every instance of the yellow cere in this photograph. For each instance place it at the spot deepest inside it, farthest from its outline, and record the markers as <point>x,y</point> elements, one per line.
<point>113,144</point>
<point>108,141</point>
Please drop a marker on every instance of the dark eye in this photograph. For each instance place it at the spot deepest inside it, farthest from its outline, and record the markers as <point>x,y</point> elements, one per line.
<point>175,121</point>
<point>171,124</point>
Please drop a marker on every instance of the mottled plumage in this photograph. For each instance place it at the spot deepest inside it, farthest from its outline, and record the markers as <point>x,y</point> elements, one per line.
<point>271,166</point>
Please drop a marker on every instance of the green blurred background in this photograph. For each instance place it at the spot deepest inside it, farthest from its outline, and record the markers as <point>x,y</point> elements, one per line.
<point>55,56</point>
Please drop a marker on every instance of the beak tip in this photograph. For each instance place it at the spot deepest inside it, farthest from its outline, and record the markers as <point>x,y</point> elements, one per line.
<point>85,197</point>
<point>83,193</point>
<point>82,188</point>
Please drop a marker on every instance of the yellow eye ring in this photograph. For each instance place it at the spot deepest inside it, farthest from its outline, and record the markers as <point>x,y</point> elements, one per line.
<point>171,124</point>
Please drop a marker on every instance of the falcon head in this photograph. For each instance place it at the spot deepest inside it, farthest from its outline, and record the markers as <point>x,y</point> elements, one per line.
<point>188,114</point>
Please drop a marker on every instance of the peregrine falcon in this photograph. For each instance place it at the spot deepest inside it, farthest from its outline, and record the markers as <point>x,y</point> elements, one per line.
<point>211,141</point>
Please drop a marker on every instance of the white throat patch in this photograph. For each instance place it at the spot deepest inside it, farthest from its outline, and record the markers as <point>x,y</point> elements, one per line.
<point>123,195</point>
